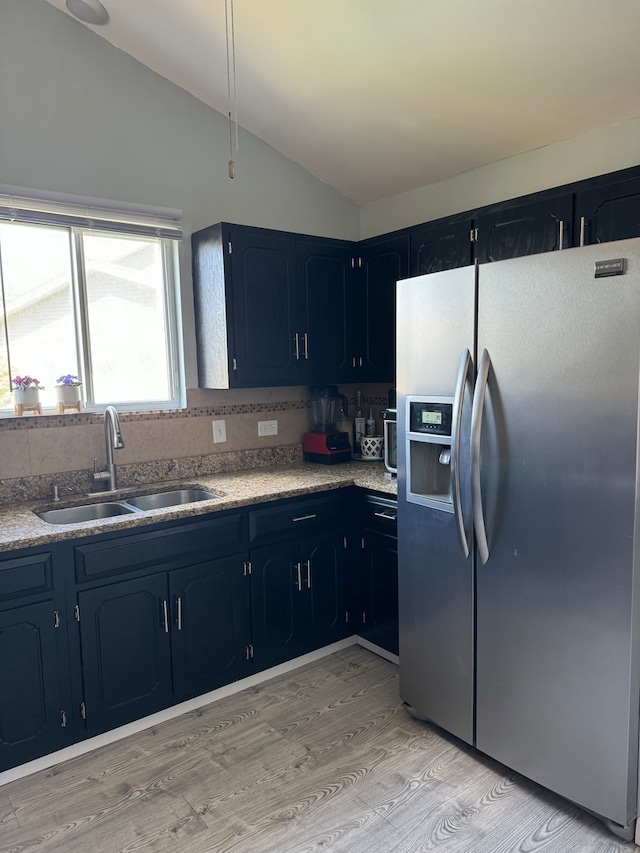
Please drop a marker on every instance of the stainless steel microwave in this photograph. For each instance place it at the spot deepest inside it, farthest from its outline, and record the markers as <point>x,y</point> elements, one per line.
<point>390,426</point>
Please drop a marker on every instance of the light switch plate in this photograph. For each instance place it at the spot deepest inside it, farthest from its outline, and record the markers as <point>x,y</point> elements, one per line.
<point>219,431</point>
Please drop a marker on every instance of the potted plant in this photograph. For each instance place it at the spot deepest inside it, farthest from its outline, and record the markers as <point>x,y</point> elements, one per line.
<point>68,390</point>
<point>26,391</point>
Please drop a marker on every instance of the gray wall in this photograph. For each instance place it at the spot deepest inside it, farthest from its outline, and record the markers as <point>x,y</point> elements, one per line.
<point>78,116</point>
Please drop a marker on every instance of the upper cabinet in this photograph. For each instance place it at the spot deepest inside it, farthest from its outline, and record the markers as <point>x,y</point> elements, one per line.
<point>438,246</point>
<point>275,308</point>
<point>608,213</point>
<point>526,229</point>
<point>380,263</point>
<point>271,308</point>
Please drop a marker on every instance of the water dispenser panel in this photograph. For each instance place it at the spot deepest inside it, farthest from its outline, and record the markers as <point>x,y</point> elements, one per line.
<point>428,417</point>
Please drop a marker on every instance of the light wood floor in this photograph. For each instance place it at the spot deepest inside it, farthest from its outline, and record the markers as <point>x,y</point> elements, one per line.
<point>324,758</point>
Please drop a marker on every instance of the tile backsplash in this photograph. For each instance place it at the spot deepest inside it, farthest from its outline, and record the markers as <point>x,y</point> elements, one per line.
<point>36,451</point>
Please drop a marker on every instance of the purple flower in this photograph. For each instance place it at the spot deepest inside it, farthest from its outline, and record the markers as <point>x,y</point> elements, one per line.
<point>68,379</point>
<point>24,382</point>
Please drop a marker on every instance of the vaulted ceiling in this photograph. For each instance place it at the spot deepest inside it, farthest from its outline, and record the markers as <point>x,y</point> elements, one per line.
<point>377,97</point>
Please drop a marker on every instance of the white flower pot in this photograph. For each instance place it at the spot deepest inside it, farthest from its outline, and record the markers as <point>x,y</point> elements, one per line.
<point>26,398</point>
<point>68,394</point>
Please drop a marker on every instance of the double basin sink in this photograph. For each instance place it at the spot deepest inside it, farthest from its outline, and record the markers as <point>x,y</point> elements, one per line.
<point>127,506</point>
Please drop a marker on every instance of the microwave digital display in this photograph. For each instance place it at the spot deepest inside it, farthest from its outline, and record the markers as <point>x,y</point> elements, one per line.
<point>430,418</point>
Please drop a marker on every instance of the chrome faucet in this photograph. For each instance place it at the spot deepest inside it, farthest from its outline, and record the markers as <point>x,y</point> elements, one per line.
<point>113,441</point>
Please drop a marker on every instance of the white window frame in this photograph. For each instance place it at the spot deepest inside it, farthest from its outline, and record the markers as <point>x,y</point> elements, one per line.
<point>80,216</point>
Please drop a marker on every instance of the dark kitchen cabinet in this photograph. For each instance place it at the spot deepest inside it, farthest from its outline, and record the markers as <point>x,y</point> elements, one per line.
<point>126,651</point>
<point>299,596</point>
<point>443,246</point>
<point>35,710</point>
<point>376,595</point>
<point>272,308</point>
<point>379,265</point>
<point>210,625</point>
<point>163,615</point>
<point>324,310</point>
<point>525,229</point>
<point>155,640</point>
<point>610,212</point>
<point>298,577</point>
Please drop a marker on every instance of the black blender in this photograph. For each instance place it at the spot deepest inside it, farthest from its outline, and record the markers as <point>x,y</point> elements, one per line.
<point>325,444</point>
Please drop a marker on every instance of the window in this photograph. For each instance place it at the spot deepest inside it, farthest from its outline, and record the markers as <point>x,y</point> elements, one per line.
<point>91,293</point>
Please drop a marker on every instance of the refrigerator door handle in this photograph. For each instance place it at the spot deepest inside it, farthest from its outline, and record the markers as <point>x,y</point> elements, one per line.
<point>464,376</point>
<point>476,430</point>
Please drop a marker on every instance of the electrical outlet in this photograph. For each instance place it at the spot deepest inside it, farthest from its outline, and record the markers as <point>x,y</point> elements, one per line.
<point>267,427</point>
<point>219,431</point>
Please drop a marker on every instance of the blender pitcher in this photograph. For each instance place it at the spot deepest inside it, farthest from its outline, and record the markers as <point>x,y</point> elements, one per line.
<point>324,401</point>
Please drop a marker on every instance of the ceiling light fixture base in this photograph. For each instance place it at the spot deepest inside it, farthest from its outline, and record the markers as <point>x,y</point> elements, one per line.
<point>88,11</point>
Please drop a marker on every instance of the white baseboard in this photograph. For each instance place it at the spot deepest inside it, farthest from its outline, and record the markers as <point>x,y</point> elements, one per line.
<point>378,650</point>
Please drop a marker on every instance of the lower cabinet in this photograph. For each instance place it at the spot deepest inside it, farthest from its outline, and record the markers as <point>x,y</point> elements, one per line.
<point>375,595</point>
<point>152,641</point>
<point>380,590</point>
<point>298,596</point>
<point>153,616</point>
<point>35,709</point>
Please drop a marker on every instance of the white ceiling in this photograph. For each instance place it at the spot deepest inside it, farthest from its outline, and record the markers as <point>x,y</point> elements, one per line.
<point>377,97</point>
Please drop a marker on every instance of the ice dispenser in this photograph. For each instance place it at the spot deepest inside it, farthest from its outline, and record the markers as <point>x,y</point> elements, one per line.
<point>428,445</point>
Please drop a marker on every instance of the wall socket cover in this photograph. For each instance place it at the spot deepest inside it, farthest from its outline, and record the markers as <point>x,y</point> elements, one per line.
<point>267,428</point>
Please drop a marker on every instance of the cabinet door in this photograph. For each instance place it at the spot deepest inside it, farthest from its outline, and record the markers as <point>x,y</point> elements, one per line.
<point>543,226</point>
<point>608,213</point>
<point>441,247</point>
<point>324,312</point>
<point>384,262</point>
<point>323,579</point>
<point>126,655</point>
<point>380,580</point>
<point>31,710</point>
<point>264,308</point>
<point>279,614</point>
<point>210,625</point>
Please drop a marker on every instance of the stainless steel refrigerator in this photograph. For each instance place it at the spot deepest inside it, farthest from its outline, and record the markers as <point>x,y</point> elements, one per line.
<point>518,393</point>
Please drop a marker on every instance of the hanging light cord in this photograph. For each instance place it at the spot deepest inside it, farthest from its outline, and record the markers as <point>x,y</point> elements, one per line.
<point>232,93</point>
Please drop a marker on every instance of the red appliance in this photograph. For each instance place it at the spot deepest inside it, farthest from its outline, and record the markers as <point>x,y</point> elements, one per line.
<point>328,448</point>
<point>325,443</point>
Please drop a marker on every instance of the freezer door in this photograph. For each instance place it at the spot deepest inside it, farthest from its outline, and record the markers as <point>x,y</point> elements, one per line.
<point>557,680</point>
<point>435,326</point>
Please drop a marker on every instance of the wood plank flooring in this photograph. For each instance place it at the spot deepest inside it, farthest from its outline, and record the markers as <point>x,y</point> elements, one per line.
<point>324,758</point>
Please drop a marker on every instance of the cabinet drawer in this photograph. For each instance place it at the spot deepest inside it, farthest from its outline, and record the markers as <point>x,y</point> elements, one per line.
<point>22,576</point>
<point>208,539</point>
<point>380,514</point>
<point>294,518</point>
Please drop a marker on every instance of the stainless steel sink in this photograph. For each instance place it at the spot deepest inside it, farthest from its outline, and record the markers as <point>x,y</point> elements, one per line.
<point>86,512</point>
<point>173,498</point>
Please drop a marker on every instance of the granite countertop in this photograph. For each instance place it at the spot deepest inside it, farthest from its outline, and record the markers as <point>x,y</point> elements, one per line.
<point>20,527</point>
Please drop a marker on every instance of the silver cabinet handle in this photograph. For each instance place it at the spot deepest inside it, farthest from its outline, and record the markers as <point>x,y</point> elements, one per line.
<point>165,615</point>
<point>296,341</point>
<point>305,517</point>
<point>561,234</point>
<point>299,573</point>
<point>582,229</point>
<point>476,430</point>
<point>305,342</point>
<point>179,612</point>
<point>386,516</point>
<point>308,564</point>
<point>464,377</point>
